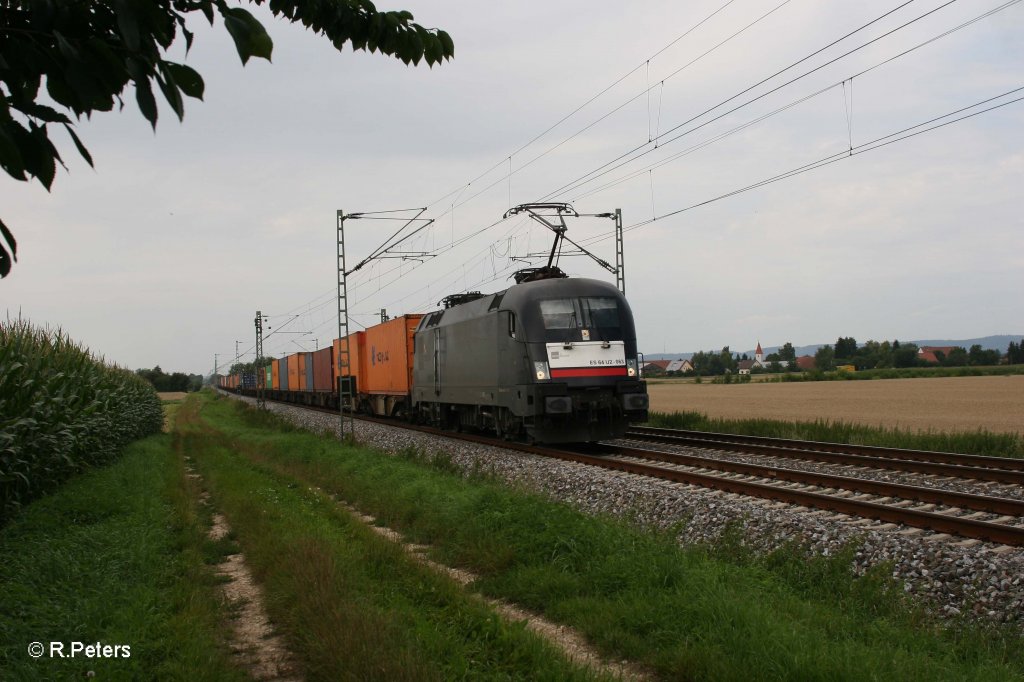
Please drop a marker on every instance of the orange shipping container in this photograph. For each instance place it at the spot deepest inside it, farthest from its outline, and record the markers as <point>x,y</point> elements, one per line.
<point>356,342</point>
<point>302,372</point>
<point>275,374</point>
<point>387,356</point>
<point>293,372</point>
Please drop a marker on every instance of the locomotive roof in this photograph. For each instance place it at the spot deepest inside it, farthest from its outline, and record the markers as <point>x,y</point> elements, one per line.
<point>518,296</point>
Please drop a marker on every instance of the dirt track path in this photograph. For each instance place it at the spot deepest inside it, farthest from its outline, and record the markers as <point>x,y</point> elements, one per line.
<point>939,404</point>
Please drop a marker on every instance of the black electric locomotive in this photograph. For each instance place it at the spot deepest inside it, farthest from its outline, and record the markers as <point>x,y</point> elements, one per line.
<point>552,360</point>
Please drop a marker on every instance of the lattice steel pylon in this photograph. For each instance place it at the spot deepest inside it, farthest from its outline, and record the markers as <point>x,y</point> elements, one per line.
<point>345,392</point>
<point>261,372</point>
<point>620,256</point>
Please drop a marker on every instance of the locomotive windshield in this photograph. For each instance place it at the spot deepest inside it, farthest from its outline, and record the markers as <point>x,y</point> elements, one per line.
<point>566,318</point>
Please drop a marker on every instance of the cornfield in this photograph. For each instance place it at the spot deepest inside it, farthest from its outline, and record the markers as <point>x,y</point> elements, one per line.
<point>62,410</point>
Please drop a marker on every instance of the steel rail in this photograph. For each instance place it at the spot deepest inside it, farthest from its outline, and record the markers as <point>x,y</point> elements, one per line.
<point>797,450</point>
<point>1011,463</point>
<point>942,523</point>
<point>995,505</point>
<point>968,528</point>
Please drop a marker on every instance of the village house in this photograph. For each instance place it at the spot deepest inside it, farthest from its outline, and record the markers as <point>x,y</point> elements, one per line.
<point>654,367</point>
<point>744,366</point>
<point>928,353</point>
<point>805,363</point>
<point>679,366</point>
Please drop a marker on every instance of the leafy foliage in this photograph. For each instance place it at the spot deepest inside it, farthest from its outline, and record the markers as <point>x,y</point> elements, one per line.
<point>175,382</point>
<point>1015,353</point>
<point>61,411</point>
<point>86,52</point>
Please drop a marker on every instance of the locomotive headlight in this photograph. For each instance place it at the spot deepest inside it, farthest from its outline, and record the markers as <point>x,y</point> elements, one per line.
<point>541,368</point>
<point>631,367</point>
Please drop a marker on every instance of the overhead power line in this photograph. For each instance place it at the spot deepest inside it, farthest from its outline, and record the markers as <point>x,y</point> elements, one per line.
<point>566,187</point>
<point>872,145</point>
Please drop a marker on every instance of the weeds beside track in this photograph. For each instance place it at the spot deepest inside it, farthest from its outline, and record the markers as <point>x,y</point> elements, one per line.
<point>704,613</point>
<point>977,443</point>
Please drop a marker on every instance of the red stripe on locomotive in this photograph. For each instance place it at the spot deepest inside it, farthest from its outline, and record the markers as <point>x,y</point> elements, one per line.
<point>589,372</point>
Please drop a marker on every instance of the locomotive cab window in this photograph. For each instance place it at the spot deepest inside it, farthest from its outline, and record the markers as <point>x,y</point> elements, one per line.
<point>512,325</point>
<point>558,313</point>
<point>564,318</point>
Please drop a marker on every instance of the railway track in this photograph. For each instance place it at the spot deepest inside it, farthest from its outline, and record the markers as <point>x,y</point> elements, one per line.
<point>995,469</point>
<point>979,517</point>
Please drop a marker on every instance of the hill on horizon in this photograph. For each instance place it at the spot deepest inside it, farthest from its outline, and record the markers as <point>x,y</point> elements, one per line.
<point>997,342</point>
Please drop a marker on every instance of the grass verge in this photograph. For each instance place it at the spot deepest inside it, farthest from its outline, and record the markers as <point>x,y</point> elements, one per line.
<point>703,613</point>
<point>977,443</point>
<point>353,605</point>
<point>114,556</point>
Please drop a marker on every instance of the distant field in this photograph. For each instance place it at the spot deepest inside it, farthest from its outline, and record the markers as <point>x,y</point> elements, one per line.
<point>994,403</point>
<point>179,395</point>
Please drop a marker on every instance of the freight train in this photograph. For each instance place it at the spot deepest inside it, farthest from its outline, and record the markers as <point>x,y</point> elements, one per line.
<point>552,360</point>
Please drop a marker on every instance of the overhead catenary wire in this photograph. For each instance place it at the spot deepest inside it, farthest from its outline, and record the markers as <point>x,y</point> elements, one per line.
<point>787,68</point>
<point>567,187</point>
<point>618,108</point>
<point>456,204</point>
<point>586,103</point>
<point>604,170</point>
<point>862,148</point>
<point>679,70</point>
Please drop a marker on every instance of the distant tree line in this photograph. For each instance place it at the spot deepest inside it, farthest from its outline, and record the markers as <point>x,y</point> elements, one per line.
<point>846,352</point>
<point>248,367</point>
<point>716,363</point>
<point>171,383</point>
<point>884,355</point>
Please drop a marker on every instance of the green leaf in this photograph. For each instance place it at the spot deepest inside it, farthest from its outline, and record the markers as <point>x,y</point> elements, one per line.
<point>6,258</point>
<point>127,24</point>
<point>44,113</point>
<point>190,82</point>
<point>39,154</point>
<point>171,94</point>
<point>65,47</point>
<point>446,42</point>
<point>145,99</point>
<point>10,156</point>
<point>251,39</point>
<point>81,147</point>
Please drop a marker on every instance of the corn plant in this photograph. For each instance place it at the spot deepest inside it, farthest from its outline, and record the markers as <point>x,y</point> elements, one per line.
<point>62,410</point>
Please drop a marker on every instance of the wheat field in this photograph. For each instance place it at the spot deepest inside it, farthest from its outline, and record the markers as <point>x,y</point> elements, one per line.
<point>993,403</point>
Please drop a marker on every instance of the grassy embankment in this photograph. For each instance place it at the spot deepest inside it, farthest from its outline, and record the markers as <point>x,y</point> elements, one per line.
<point>699,613</point>
<point>119,555</point>
<point>976,443</point>
<point>351,604</point>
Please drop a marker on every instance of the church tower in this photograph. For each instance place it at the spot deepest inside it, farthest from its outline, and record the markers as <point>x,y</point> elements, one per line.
<point>759,354</point>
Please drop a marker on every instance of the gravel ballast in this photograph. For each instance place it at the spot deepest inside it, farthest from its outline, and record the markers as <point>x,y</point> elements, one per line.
<point>951,575</point>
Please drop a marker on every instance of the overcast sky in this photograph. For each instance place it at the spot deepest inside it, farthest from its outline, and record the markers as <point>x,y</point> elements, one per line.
<point>163,253</point>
